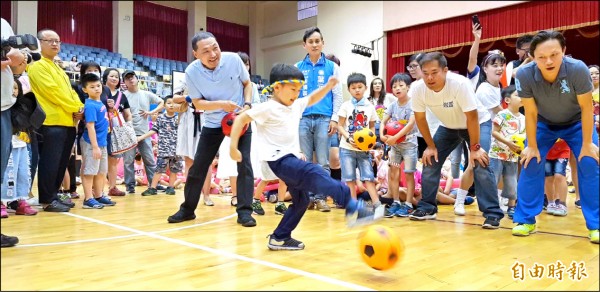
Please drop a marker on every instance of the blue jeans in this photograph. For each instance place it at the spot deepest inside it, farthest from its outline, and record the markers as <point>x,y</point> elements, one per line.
<point>456,160</point>
<point>446,140</point>
<point>313,137</point>
<point>16,185</point>
<point>5,141</point>
<point>556,166</point>
<point>530,189</point>
<point>302,177</point>
<point>351,160</point>
<point>508,171</point>
<point>145,148</point>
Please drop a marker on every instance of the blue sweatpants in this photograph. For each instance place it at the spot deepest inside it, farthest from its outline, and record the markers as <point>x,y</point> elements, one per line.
<point>302,177</point>
<point>530,188</point>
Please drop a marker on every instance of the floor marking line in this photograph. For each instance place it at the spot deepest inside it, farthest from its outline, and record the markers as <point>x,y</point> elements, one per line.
<point>229,254</point>
<point>196,225</point>
<point>76,241</point>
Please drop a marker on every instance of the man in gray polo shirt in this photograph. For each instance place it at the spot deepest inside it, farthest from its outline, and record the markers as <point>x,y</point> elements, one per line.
<point>557,95</point>
<point>218,83</point>
<point>139,102</point>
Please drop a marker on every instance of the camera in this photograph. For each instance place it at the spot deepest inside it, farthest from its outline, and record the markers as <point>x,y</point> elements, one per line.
<point>18,42</point>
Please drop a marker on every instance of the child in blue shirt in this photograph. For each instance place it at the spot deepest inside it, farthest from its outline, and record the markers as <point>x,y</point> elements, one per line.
<point>93,146</point>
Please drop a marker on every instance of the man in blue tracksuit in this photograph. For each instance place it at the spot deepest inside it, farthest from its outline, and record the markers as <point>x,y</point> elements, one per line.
<point>557,96</point>
<point>319,121</point>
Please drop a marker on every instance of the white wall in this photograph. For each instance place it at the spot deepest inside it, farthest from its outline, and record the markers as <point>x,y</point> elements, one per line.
<point>123,28</point>
<point>352,22</point>
<point>24,17</point>
<point>230,11</point>
<point>282,17</point>
<point>181,5</point>
<point>400,14</point>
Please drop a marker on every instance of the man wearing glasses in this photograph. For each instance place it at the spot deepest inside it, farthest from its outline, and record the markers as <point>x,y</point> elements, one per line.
<point>63,108</point>
<point>523,43</point>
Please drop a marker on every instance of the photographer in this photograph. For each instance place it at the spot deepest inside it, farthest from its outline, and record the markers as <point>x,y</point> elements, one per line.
<point>13,58</point>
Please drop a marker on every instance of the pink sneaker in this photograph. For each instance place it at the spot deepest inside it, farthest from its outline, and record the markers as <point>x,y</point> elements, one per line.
<point>3,212</point>
<point>25,209</point>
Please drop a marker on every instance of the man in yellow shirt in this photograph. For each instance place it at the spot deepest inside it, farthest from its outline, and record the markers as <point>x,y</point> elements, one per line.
<point>63,109</point>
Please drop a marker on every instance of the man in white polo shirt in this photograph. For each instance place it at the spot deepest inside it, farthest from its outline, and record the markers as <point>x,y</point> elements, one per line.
<point>218,83</point>
<point>451,98</point>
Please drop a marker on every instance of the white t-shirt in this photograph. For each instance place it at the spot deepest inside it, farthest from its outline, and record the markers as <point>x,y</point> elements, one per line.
<point>7,100</point>
<point>356,117</point>
<point>138,101</point>
<point>489,96</point>
<point>277,128</point>
<point>450,103</point>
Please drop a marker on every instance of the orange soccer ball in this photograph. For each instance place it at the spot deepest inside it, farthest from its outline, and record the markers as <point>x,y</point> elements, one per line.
<point>380,247</point>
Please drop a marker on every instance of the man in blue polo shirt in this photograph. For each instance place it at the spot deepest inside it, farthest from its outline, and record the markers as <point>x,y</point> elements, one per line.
<point>319,121</point>
<point>557,95</point>
<point>218,83</point>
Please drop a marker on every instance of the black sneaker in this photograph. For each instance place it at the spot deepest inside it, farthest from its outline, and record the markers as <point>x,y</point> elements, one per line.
<point>131,189</point>
<point>288,244</point>
<point>65,199</point>
<point>180,217</point>
<point>491,223</point>
<point>246,221</point>
<point>56,206</point>
<point>420,215</point>
<point>545,202</point>
<point>161,188</point>
<point>257,207</point>
<point>578,204</point>
<point>9,241</point>
<point>170,191</point>
<point>149,192</point>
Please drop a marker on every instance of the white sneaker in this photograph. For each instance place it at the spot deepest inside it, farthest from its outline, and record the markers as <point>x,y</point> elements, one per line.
<point>551,209</point>
<point>459,209</point>
<point>34,201</point>
<point>560,210</point>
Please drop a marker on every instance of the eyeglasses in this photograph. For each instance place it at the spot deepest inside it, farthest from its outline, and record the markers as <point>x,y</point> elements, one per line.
<point>52,42</point>
<point>412,67</point>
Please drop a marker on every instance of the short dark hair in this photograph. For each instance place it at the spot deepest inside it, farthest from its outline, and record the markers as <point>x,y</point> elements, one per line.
<point>524,39</point>
<point>545,35</point>
<point>416,57</point>
<point>280,72</point>
<point>201,36</point>
<point>86,65</point>
<point>106,72</point>
<point>89,78</point>
<point>245,58</point>
<point>433,56</point>
<point>508,91</point>
<point>401,77</point>
<point>310,31</point>
<point>357,78</point>
<point>167,97</point>
<point>594,66</point>
<point>333,58</point>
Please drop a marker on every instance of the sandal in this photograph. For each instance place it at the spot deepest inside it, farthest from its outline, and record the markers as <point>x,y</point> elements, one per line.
<point>234,201</point>
<point>208,202</point>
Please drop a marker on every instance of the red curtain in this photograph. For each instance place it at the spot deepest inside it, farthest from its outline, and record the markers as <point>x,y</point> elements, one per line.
<point>160,31</point>
<point>93,21</point>
<point>6,10</point>
<point>501,23</point>
<point>230,36</point>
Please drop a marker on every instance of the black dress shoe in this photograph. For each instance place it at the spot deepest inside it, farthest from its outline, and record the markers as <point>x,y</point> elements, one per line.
<point>246,221</point>
<point>56,206</point>
<point>180,216</point>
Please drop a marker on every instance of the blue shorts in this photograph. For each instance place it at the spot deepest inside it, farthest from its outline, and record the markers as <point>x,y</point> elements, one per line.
<point>558,166</point>
<point>334,140</point>
<point>351,160</point>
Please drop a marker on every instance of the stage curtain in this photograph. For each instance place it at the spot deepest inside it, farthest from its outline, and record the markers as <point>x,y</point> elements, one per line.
<point>93,21</point>
<point>231,37</point>
<point>160,31</point>
<point>501,23</point>
<point>6,5</point>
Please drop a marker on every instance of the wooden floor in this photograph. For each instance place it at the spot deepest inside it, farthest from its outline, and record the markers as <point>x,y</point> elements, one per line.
<point>132,247</point>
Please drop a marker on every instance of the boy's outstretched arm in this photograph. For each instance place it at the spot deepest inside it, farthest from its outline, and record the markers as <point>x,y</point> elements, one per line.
<point>318,94</point>
<point>236,129</point>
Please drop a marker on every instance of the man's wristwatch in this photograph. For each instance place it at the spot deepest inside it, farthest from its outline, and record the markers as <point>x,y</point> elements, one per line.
<point>475,147</point>
<point>249,104</point>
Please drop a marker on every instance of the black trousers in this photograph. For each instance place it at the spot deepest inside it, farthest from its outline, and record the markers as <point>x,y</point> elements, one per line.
<point>208,147</point>
<point>54,151</point>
